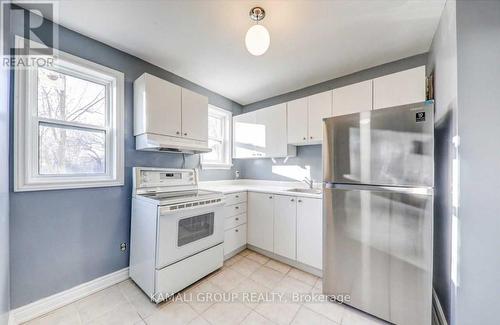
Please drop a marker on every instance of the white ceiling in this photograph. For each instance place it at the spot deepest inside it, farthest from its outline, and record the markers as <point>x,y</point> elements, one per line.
<point>311,41</point>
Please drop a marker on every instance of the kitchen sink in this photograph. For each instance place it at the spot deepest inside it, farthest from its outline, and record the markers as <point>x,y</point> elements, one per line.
<point>306,190</point>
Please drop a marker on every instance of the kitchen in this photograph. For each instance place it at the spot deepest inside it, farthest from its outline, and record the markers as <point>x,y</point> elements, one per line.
<point>213,177</point>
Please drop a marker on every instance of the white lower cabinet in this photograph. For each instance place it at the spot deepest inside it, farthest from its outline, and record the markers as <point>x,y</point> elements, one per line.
<point>234,238</point>
<point>288,226</point>
<point>235,223</point>
<point>260,220</point>
<point>310,232</point>
<point>285,226</point>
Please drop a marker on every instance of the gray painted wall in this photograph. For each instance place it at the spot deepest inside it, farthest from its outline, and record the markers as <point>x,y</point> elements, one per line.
<point>62,238</point>
<point>311,155</point>
<point>4,197</point>
<point>478,58</point>
<point>443,62</point>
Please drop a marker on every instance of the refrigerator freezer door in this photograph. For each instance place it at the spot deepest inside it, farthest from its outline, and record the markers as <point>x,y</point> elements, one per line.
<point>391,146</point>
<point>378,250</point>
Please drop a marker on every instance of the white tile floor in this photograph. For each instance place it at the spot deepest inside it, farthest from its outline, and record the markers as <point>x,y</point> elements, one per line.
<point>247,272</point>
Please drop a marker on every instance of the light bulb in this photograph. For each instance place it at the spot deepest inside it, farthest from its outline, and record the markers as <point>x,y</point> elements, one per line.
<point>257,40</point>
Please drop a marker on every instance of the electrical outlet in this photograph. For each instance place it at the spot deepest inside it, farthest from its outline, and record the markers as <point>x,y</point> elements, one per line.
<point>123,247</point>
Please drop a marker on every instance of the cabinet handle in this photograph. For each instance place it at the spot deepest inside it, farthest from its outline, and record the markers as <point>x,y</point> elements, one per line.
<point>311,137</point>
<point>270,197</point>
<point>305,138</point>
<point>237,219</point>
<point>177,132</point>
<point>300,201</point>
<point>292,200</point>
<point>236,230</point>
<point>237,196</point>
<point>236,208</point>
<point>187,134</point>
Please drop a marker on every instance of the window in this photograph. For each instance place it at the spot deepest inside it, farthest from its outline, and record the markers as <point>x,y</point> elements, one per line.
<point>68,125</point>
<point>219,139</point>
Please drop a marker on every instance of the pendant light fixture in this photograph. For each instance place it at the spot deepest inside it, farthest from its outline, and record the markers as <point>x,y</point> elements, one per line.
<point>257,38</point>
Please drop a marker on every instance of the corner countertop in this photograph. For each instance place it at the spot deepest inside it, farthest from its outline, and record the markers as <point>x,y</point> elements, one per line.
<point>273,187</point>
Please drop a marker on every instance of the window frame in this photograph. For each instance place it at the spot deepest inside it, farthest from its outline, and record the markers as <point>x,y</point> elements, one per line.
<point>26,125</point>
<point>227,144</point>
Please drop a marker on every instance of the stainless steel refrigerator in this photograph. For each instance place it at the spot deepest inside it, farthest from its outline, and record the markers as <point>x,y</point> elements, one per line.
<point>378,169</point>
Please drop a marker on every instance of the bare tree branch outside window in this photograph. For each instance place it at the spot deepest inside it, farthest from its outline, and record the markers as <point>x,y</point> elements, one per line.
<point>69,149</point>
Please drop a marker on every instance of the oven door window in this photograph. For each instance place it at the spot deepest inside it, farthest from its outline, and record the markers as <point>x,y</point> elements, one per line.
<point>195,228</point>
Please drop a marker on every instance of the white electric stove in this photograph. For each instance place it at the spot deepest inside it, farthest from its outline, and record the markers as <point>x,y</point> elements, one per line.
<point>177,231</point>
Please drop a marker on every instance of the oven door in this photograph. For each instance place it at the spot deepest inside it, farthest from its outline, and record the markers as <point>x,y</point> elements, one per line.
<point>185,232</point>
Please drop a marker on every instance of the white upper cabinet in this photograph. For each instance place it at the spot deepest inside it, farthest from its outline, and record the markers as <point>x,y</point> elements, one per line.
<point>320,106</point>
<point>157,106</point>
<point>354,98</point>
<point>297,121</point>
<point>285,226</point>
<point>305,118</point>
<point>194,115</point>
<point>164,109</point>
<point>310,232</point>
<point>262,133</point>
<point>272,122</point>
<point>399,88</point>
<point>245,136</point>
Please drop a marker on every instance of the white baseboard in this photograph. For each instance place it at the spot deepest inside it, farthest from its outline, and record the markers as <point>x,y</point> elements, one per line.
<point>295,264</point>
<point>61,299</point>
<point>11,319</point>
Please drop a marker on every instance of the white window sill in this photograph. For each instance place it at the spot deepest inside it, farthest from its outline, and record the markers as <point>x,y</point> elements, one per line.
<point>61,185</point>
<point>207,166</point>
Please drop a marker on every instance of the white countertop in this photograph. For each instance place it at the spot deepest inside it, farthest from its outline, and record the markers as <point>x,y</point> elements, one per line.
<point>273,187</point>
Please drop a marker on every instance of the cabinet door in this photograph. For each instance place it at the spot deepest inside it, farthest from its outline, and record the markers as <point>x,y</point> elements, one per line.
<point>247,136</point>
<point>234,238</point>
<point>285,226</point>
<point>320,106</point>
<point>310,232</point>
<point>163,106</point>
<point>260,220</point>
<point>399,88</point>
<point>354,98</point>
<point>297,121</point>
<point>272,121</point>
<point>194,115</point>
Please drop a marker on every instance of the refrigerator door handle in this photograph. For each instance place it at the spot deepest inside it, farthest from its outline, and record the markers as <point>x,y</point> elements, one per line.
<point>381,188</point>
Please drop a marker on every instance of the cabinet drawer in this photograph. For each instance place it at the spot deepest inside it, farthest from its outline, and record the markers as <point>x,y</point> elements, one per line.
<point>234,221</point>
<point>235,198</point>
<point>235,238</point>
<point>235,209</point>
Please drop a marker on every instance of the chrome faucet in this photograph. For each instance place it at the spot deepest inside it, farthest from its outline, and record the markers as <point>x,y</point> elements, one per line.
<point>309,182</point>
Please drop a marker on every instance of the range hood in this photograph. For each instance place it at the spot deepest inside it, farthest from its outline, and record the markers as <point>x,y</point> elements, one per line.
<point>156,142</point>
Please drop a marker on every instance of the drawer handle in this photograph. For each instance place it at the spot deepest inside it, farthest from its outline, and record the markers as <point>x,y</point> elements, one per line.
<point>292,200</point>
<point>177,132</point>
<point>237,196</point>
<point>270,197</point>
<point>300,201</point>
<point>305,138</point>
<point>236,230</point>
<point>236,208</point>
<point>237,219</point>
